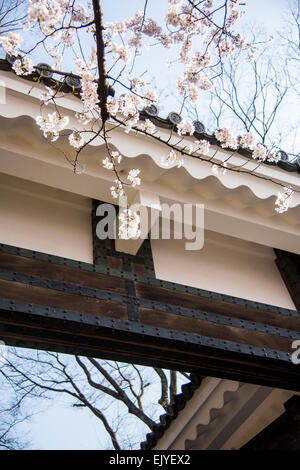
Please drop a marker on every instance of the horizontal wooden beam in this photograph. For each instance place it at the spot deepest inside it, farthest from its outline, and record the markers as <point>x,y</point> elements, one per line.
<point>119,341</point>
<point>118,310</point>
<point>60,272</point>
<point>214,330</point>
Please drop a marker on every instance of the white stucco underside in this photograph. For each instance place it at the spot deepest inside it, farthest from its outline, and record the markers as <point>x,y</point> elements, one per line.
<point>43,219</point>
<point>223,415</point>
<point>224,264</point>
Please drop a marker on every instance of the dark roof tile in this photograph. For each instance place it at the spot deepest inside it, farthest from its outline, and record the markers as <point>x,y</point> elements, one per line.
<point>178,404</point>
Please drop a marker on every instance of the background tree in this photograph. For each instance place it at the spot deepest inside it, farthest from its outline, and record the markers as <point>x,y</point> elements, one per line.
<point>257,97</point>
<point>13,412</point>
<point>12,15</point>
<point>119,395</point>
<point>10,436</point>
<point>290,37</point>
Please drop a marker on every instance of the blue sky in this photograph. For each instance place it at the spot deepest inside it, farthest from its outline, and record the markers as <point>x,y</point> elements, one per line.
<point>269,16</point>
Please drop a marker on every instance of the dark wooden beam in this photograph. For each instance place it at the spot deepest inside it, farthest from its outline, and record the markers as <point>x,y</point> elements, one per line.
<point>289,268</point>
<point>117,309</point>
<point>74,333</point>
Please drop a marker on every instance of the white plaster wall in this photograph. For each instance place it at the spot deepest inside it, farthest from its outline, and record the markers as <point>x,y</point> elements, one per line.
<point>53,221</point>
<point>226,265</point>
<point>41,218</point>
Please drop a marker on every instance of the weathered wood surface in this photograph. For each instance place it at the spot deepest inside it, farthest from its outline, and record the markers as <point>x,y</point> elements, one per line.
<point>55,306</point>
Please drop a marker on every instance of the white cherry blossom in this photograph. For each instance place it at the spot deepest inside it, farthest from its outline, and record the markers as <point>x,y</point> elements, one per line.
<point>23,66</point>
<point>284,200</point>
<point>76,140</point>
<point>129,223</point>
<point>219,169</point>
<point>185,127</point>
<point>259,152</point>
<point>171,159</point>
<point>246,140</point>
<point>148,126</point>
<point>225,136</point>
<point>11,43</point>
<point>203,146</point>
<point>52,124</point>
<point>118,190</point>
<point>107,163</point>
<point>133,177</point>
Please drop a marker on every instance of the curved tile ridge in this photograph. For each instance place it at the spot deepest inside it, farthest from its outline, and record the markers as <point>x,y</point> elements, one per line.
<point>210,187</point>
<point>199,170</point>
<point>238,407</point>
<point>215,399</point>
<point>222,392</point>
<point>165,420</point>
<point>224,184</point>
<point>218,415</point>
<point>131,148</point>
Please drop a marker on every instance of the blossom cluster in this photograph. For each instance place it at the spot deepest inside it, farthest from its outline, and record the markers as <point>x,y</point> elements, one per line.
<point>76,140</point>
<point>284,200</point>
<point>52,124</point>
<point>133,177</point>
<point>148,127</point>
<point>219,168</point>
<point>129,223</point>
<point>11,43</point>
<point>107,163</point>
<point>247,141</point>
<point>48,13</point>
<point>89,86</point>
<point>47,95</point>
<point>259,152</point>
<point>203,146</point>
<point>23,66</point>
<point>184,22</point>
<point>118,190</point>
<point>121,52</point>
<point>172,159</point>
<point>128,106</point>
<point>185,127</point>
<point>225,136</point>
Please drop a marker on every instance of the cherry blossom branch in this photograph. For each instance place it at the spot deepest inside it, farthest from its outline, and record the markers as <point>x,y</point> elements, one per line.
<point>102,86</point>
